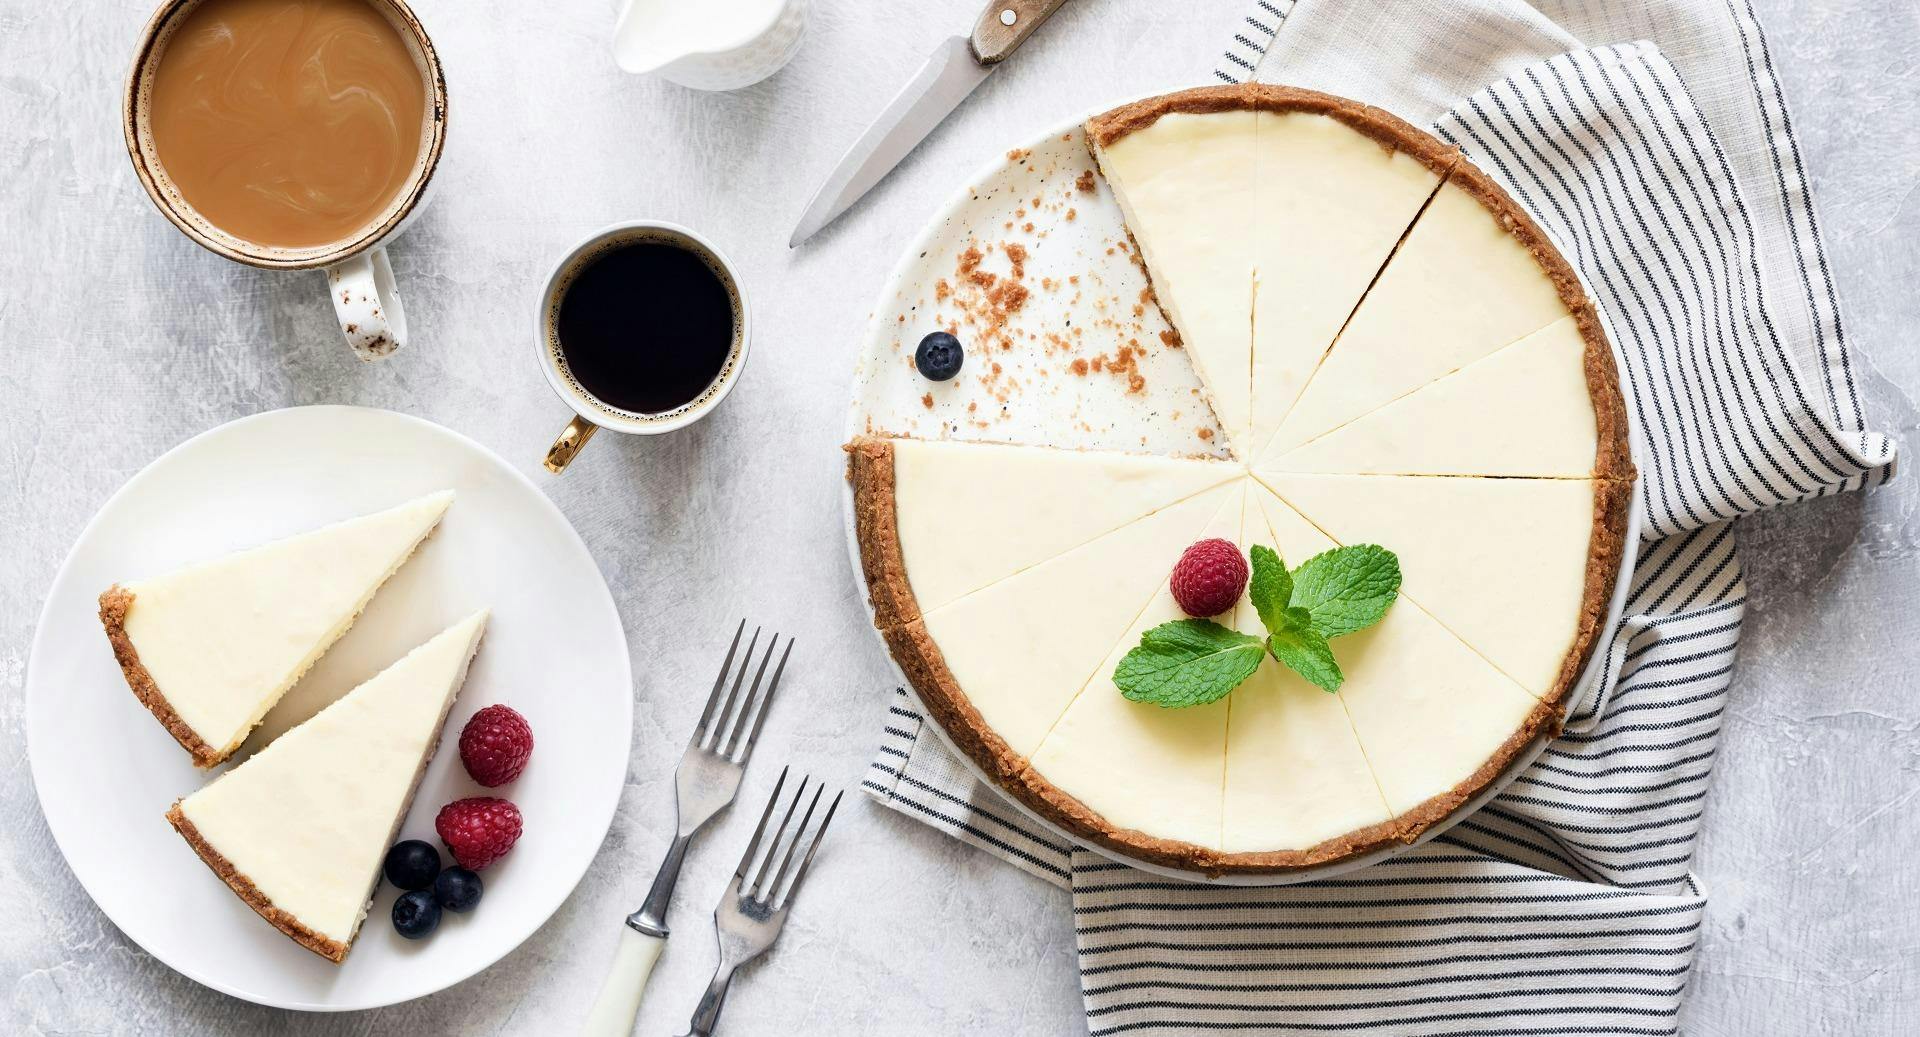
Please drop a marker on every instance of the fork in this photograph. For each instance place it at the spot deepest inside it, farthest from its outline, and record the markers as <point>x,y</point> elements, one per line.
<point>705,782</point>
<point>754,907</point>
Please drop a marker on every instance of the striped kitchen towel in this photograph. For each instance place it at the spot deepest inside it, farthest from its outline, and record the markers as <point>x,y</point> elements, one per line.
<point>1565,906</point>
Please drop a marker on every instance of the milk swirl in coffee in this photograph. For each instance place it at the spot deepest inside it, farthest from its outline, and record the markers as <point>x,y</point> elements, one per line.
<point>288,123</point>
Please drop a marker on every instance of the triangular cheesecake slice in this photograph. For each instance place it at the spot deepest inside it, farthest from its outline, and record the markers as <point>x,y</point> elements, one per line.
<point>1018,651</point>
<point>1182,166</point>
<point>1138,766</point>
<point>1526,410</point>
<point>211,647</point>
<point>300,829</point>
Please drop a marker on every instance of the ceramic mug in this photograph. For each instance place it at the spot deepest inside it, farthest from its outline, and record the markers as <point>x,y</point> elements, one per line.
<point>590,412</point>
<point>359,278</point>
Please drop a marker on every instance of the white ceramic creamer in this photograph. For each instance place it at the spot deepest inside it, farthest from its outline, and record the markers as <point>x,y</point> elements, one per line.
<point>708,44</point>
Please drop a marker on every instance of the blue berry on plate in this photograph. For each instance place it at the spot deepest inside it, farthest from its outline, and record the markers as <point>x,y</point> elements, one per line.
<point>939,356</point>
<point>416,915</point>
<point>457,890</point>
<point>412,864</point>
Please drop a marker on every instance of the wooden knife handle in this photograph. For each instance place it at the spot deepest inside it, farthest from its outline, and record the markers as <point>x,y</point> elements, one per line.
<point>1006,24</point>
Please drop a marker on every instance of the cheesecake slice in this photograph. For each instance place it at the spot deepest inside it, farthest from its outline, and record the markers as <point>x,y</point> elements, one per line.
<point>211,647</point>
<point>1298,790</point>
<point>1016,653</point>
<point>940,520</point>
<point>1140,778</point>
<point>1182,169</point>
<point>1526,410</point>
<point>300,829</point>
<point>1474,274</point>
<point>1337,184</point>
<point>1519,569</point>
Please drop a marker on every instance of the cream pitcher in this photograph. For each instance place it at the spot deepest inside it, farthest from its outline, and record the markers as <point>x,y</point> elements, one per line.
<point>711,45</point>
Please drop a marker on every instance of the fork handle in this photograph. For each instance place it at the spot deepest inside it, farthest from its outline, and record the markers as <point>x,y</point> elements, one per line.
<point>707,1013</point>
<point>619,1002</point>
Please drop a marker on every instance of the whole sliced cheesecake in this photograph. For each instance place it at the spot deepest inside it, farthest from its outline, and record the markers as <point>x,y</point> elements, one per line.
<point>1398,356</point>
<point>300,829</point>
<point>211,647</point>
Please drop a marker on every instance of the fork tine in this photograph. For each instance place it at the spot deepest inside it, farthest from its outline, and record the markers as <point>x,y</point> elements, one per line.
<point>726,739</point>
<point>800,876</point>
<point>754,843</point>
<point>713,696</point>
<point>769,883</point>
<point>761,707</point>
<point>709,734</point>
<point>759,874</point>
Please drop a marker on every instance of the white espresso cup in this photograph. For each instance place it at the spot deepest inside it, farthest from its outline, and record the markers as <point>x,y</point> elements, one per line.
<point>590,412</point>
<point>359,279</point>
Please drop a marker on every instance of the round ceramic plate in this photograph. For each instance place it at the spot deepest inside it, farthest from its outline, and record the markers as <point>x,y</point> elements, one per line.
<point>1075,358</point>
<point>554,650</point>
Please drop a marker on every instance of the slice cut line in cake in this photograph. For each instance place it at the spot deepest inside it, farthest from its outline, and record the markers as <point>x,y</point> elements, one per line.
<point>1019,650</point>
<point>1337,186</point>
<point>1526,410</point>
<point>1521,570</point>
<point>210,648</point>
<point>1138,766</point>
<point>300,829</point>
<point>1474,274</point>
<point>940,520</point>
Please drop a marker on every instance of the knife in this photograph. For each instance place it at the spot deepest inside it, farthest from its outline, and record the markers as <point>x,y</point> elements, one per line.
<point>957,66</point>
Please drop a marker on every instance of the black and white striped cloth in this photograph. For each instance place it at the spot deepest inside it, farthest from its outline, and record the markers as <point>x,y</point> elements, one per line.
<point>1565,906</point>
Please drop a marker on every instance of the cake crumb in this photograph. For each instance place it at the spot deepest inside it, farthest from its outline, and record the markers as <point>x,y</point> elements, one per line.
<point>1206,434</point>
<point>927,401</point>
<point>1085,181</point>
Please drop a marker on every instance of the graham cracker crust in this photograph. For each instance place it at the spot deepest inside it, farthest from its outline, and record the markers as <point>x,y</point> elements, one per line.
<point>326,947</point>
<point>115,602</point>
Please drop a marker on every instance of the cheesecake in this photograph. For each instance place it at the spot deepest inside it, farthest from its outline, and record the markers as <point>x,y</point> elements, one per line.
<point>1398,355</point>
<point>299,830</point>
<point>209,648</point>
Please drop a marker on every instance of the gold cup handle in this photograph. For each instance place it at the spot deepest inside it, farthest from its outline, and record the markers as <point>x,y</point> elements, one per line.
<point>571,440</point>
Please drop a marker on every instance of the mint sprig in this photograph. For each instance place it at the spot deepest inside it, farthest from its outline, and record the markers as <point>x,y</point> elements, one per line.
<point>1191,662</point>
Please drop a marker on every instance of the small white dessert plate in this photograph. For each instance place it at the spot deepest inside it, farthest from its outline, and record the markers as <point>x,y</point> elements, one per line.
<point>106,772</point>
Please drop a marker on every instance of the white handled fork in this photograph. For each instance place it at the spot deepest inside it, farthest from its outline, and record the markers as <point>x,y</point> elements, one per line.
<point>706,781</point>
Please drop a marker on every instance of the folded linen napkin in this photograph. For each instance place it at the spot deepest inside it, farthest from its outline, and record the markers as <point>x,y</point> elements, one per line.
<point>1668,173</point>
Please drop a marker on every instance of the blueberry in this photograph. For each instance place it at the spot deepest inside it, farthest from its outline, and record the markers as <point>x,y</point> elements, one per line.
<point>412,864</point>
<point>939,356</point>
<point>415,915</point>
<point>457,890</point>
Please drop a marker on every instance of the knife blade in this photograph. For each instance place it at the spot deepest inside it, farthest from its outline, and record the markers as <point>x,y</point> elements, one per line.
<point>958,65</point>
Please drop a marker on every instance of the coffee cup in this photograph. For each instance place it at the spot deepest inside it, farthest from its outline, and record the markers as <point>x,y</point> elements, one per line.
<point>207,193</point>
<point>642,328</point>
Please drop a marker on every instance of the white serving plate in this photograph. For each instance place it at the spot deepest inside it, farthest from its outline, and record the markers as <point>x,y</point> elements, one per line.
<point>1053,407</point>
<point>106,772</point>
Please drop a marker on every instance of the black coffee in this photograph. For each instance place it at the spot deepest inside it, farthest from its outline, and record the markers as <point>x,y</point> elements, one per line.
<point>646,326</point>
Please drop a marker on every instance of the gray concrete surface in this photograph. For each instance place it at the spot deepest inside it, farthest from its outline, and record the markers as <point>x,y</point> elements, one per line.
<point>122,338</point>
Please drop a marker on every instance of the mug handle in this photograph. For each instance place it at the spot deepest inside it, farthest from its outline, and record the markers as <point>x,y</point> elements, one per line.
<point>572,439</point>
<point>368,304</point>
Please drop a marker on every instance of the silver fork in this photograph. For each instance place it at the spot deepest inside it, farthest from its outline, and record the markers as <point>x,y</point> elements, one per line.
<point>754,907</point>
<point>706,781</point>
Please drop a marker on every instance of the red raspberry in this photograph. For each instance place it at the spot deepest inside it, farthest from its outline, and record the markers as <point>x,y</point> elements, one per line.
<point>479,831</point>
<point>1209,577</point>
<point>495,744</point>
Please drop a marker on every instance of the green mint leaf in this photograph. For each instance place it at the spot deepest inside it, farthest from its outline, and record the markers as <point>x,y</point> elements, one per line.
<point>1348,588</point>
<point>1300,648</point>
<point>1271,587</point>
<point>1188,662</point>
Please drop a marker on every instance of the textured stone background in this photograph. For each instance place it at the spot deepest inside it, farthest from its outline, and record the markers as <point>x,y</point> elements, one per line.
<point>122,338</point>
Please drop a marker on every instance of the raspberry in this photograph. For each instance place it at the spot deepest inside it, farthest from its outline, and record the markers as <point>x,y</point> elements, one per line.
<point>478,831</point>
<point>495,744</point>
<point>1209,577</point>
